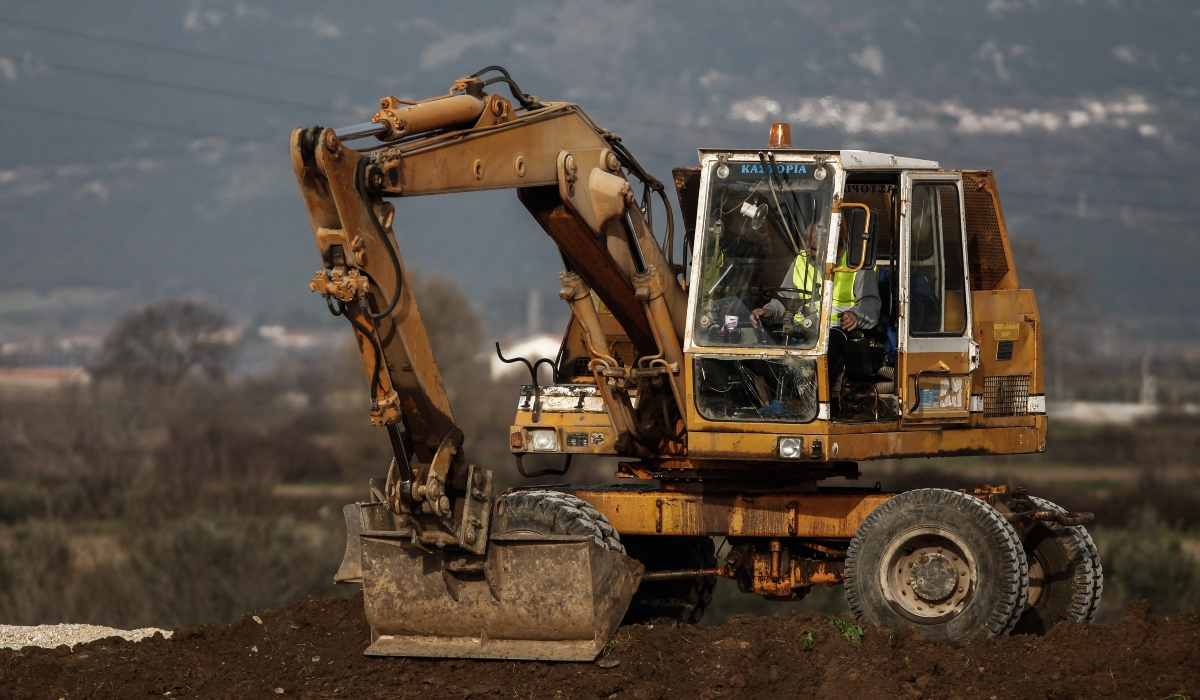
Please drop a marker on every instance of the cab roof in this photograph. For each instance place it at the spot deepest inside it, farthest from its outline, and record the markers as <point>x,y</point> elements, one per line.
<point>870,160</point>
<point>851,159</point>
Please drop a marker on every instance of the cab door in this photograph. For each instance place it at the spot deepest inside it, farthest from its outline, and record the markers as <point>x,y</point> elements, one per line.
<point>937,353</point>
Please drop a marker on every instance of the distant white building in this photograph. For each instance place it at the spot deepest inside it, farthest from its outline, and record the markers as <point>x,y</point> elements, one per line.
<point>282,337</point>
<point>1109,412</point>
<point>41,379</point>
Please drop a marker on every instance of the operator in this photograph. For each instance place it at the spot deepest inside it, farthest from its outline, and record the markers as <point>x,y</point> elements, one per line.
<point>856,303</point>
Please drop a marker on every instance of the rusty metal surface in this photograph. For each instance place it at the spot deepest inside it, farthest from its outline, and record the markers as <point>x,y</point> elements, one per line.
<point>538,597</point>
<point>592,262</point>
<point>1009,331</point>
<point>352,237</point>
<point>777,574</point>
<point>988,249</point>
<point>687,188</point>
<point>579,433</point>
<point>801,514</point>
<point>351,569</point>
<point>459,110</point>
<point>1025,434</point>
<point>519,153</point>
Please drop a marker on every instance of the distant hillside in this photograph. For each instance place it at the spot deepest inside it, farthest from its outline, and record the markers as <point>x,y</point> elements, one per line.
<point>119,180</point>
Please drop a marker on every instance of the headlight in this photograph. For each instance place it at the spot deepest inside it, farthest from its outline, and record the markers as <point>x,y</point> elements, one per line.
<point>791,447</point>
<point>543,440</point>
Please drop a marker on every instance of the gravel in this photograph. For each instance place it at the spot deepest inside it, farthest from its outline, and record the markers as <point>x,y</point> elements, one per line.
<point>51,636</point>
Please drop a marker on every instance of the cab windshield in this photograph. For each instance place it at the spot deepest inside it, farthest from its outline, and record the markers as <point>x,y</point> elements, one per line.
<point>767,225</point>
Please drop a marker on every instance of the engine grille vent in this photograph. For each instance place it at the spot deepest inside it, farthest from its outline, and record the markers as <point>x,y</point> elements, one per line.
<point>1006,396</point>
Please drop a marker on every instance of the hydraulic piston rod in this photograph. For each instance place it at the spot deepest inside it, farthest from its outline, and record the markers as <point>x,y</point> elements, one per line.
<point>359,131</point>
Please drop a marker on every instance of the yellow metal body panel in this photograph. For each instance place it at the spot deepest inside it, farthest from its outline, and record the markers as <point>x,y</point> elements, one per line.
<point>816,515</point>
<point>595,426</point>
<point>867,441</point>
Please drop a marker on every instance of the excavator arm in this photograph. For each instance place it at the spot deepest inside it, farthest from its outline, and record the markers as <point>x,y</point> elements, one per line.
<point>569,174</point>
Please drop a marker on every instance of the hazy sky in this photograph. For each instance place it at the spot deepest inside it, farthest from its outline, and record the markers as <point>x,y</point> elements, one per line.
<point>145,142</point>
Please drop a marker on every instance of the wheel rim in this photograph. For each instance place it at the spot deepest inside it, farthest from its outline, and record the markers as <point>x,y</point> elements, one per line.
<point>1037,581</point>
<point>928,575</point>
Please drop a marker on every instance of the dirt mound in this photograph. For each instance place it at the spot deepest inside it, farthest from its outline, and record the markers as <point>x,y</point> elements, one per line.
<point>314,649</point>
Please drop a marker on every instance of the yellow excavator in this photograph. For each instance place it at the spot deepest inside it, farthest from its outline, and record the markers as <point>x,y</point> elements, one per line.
<point>726,418</point>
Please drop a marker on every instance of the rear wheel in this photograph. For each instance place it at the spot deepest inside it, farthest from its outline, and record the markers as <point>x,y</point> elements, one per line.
<point>942,560</point>
<point>1064,577</point>
<point>682,601</point>
<point>555,513</point>
<point>1097,576</point>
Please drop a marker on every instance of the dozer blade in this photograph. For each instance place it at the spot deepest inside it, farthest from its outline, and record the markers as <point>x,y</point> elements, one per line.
<point>535,597</point>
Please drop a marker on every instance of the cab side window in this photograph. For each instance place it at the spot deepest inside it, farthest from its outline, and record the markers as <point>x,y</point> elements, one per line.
<point>937,281</point>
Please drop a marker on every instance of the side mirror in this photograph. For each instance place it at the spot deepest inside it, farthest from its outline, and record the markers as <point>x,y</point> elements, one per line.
<point>862,223</point>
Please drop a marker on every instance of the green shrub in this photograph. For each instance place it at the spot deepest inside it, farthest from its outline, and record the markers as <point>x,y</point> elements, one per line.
<point>204,568</point>
<point>1147,562</point>
<point>19,502</point>
<point>172,573</point>
<point>35,571</point>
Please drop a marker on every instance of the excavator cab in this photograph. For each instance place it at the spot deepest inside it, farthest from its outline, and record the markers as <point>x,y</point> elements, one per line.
<point>769,282</point>
<point>832,307</point>
<point>762,241</point>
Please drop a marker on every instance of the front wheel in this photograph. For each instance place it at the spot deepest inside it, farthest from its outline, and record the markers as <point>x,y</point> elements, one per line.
<point>555,513</point>
<point>942,560</point>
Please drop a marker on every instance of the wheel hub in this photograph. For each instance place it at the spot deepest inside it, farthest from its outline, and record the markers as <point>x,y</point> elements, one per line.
<point>928,575</point>
<point>933,576</point>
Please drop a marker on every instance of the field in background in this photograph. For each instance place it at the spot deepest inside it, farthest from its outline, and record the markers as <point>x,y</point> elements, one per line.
<point>137,503</point>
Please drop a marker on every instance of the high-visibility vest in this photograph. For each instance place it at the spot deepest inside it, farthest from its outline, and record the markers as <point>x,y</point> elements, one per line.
<point>803,274</point>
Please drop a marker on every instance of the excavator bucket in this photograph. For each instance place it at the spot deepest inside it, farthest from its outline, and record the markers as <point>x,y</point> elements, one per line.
<point>535,597</point>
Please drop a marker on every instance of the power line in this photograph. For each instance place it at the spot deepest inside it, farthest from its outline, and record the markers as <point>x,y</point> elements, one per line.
<point>265,65</point>
<point>217,92</point>
<point>116,41</point>
<point>78,116</point>
<point>1007,194</point>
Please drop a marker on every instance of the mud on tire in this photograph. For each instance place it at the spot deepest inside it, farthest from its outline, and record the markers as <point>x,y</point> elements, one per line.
<point>682,601</point>
<point>942,560</point>
<point>555,513</point>
<point>1065,575</point>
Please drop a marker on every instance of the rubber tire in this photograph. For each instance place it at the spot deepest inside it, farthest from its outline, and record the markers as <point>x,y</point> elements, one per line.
<point>1002,569</point>
<point>679,602</point>
<point>1069,561</point>
<point>1097,575</point>
<point>556,513</point>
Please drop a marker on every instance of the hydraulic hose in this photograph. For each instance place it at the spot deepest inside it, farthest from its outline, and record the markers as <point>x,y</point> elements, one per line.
<point>359,184</point>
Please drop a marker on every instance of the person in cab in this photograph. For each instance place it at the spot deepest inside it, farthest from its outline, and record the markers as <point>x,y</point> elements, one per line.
<point>856,302</point>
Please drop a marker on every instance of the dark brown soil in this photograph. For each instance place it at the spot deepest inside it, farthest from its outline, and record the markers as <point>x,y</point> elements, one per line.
<point>314,649</point>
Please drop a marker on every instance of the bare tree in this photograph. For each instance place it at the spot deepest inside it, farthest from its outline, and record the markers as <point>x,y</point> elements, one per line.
<point>163,342</point>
